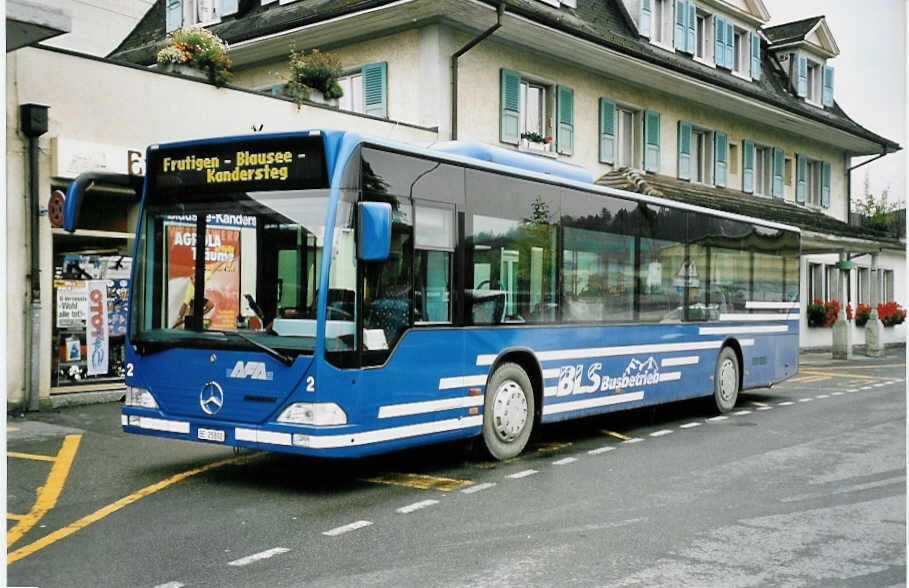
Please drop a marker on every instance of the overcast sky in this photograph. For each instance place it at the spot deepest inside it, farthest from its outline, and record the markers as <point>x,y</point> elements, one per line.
<point>870,79</point>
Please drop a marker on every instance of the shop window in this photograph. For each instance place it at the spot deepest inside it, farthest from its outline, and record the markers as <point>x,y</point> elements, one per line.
<point>888,294</point>
<point>815,281</point>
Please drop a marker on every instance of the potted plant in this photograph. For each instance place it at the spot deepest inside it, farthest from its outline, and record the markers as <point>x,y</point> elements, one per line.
<point>535,141</point>
<point>862,314</point>
<point>314,77</point>
<point>822,314</point>
<point>890,313</point>
<point>196,52</point>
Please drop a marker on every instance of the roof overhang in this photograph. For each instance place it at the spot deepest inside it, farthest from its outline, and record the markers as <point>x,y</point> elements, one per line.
<point>756,13</point>
<point>815,242</point>
<point>823,44</point>
<point>28,23</point>
<point>516,30</point>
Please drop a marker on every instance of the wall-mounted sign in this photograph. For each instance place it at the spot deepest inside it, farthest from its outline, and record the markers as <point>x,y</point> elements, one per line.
<point>70,157</point>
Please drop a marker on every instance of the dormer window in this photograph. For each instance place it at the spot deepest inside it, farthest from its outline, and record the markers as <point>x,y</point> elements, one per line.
<point>200,12</point>
<point>814,82</point>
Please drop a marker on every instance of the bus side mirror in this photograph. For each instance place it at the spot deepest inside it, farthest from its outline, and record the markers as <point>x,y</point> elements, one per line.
<point>75,193</point>
<point>374,224</point>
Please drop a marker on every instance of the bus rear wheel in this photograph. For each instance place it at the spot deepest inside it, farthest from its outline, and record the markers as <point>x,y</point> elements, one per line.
<point>507,411</point>
<point>726,380</point>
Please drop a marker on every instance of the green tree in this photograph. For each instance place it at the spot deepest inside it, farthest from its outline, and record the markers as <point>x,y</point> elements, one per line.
<point>877,210</point>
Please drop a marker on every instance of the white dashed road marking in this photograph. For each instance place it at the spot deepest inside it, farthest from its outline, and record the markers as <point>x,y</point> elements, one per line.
<point>632,440</point>
<point>820,396</point>
<point>661,433</point>
<point>716,419</point>
<point>478,487</point>
<point>765,408</point>
<point>805,399</point>
<point>347,528</point>
<point>690,425</point>
<point>565,461</point>
<point>787,403</point>
<point>523,474</point>
<point>416,506</point>
<point>837,393</point>
<point>171,585</point>
<point>244,561</point>
<point>741,413</point>
<point>600,450</point>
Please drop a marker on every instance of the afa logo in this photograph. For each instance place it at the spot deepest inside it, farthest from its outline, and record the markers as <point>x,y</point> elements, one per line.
<point>574,379</point>
<point>251,369</point>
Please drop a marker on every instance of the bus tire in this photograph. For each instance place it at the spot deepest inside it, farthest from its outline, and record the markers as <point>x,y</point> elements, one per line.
<point>508,411</point>
<point>726,380</point>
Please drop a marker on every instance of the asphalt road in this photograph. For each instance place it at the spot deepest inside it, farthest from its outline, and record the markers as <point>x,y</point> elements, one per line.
<point>803,485</point>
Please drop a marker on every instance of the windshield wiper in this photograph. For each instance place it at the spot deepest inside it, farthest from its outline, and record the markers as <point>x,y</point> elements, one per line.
<point>285,359</point>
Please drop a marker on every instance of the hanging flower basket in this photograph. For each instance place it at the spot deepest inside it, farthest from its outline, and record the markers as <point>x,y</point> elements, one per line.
<point>822,314</point>
<point>891,313</point>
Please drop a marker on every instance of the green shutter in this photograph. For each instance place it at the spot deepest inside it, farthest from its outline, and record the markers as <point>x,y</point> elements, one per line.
<point>692,23</point>
<point>801,169</point>
<point>565,129</point>
<point>802,81</point>
<point>825,184</point>
<point>730,45</point>
<point>652,141</point>
<point>679,31</point>
<point>755,56</point>
<point>173,18</point>
<point>747,167</point>
<point>645,18</point>
<point>684,150</point>
<point>827,92</point>
<point>509,123</point>
<point>607,131</point>
<point>777,172</point>
<point>720,158</point>
<point>375,89</point>
<point>227,7</point>
<point>719,44</point>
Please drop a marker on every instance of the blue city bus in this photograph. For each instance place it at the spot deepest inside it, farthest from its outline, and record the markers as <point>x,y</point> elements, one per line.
<point>361,296</point>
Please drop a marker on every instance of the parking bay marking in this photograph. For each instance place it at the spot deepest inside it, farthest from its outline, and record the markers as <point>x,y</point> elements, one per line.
<point>420,481</point>
<point>111,508</point>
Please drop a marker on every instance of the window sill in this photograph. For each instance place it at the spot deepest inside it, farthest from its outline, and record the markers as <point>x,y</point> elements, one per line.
<point>741,76</point>
<point>545,149</point>
<point>703,61</point>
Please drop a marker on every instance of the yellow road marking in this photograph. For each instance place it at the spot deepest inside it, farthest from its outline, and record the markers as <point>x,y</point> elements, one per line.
<point>616,435</point>
<point>869,367</point>
<point>807,379</point>
<point>554,446</point>
<point>758,403</point>
<point>801,379</point>
<point>11,429</point>
<point>111,508</point>
<point>14,517</point>
<point>421,481</point>
<point>48,494</point>
<point>30,456</point>
<point>836,375</point>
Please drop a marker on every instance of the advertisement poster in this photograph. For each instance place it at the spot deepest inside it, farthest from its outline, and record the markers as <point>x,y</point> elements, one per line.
<point>117,300</point>
<point>222,276</point>
<point>96,329</point>
<point>72,304</point>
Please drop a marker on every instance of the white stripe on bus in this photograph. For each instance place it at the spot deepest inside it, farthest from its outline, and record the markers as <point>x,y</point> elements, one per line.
<point>462,381</point>
<point>560,354</point>
<point>258,436</point>
<point>748,318</point>
<point>389,434</point>
<point>740,330</point>
<point>408,408</point>
<point>550,373</point>
<point>670,376</point>
<point>558,407</point>
<point>684,360</point>
<point>770,305</point>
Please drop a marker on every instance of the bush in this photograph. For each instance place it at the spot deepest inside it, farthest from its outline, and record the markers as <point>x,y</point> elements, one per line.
<point>862,314</point>
<point>316,71</point>
<point>200,49</point>
<point>890,313</point>
<point>822,314</point>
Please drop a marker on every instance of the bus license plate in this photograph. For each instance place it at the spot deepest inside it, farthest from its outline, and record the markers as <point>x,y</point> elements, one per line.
<point>210,435</point>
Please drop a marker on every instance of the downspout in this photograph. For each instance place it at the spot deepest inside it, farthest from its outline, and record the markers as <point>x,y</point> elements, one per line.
<point>33,124</point>
<point>500,11</point>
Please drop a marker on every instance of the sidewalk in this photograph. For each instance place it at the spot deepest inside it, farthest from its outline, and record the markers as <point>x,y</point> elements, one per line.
<point>890,355</point>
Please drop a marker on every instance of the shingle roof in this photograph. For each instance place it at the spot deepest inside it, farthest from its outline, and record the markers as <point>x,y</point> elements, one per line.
<point>791,31</point>
<point>599,21</point>
<point>734,201</point>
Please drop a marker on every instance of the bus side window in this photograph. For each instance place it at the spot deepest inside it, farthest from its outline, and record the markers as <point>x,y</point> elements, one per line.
<point>434,243</point>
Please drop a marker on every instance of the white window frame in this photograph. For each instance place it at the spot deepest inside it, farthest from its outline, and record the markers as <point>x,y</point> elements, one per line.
<point>813,176</point>
<point>352,100</point>
<point>702,156</point>
<point>763,170</point>
<point>830,276</point>
<point>703,39</point>
<point>198,20</point>
<point>815,82</point>
<point>741,52</point>
<point>888,291</point>
<point>632,134</point>
<point>815,281</point>
<point>542,110</point>
<point>863,285</point>
<point>662,23</point>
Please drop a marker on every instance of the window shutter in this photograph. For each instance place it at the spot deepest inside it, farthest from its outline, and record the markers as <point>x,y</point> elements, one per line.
<point>684,150</point>
<point>607,131</point>
<point>720,158</point>
<point>825,184</point>
<point>747,167</point>
<point>227,7</point>
<point>375,88</point>
<point>509,124</point>
<point>565,129</point>
<point>800,181</point>
<point>719,41</point>
<point>730,45</point>
<point>652,141</point>
<point>755,56</point>
<point>777,172</point>
<point>679,33</point>
<point>645,18</point>
<point>692,23</point>
<point>173,18</point>
<point>802,81</point>
<point>827,93</point>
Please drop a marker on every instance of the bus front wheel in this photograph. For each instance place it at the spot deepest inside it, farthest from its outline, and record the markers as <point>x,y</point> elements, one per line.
<point>507,411</point>
<point>726,380</point>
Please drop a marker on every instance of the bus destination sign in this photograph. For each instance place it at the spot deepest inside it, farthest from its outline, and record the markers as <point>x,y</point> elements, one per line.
<point>270,164</point>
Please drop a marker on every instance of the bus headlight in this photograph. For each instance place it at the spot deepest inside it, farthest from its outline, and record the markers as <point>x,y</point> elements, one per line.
<point>319,414</point>
<point>141,397</point>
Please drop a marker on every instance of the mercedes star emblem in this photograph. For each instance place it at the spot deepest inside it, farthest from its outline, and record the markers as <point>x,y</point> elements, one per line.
<point>212,398</point>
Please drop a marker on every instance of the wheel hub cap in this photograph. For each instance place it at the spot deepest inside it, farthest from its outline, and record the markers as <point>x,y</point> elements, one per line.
<point>509,410</point>
<point>728,379</point>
